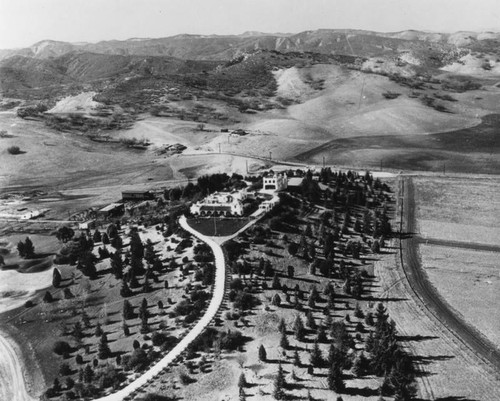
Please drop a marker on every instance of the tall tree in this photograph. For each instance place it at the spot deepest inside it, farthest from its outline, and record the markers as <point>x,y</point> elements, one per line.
<point>29,248</point>
<point>262,354</point>
<point>316,356</point>
<point>334,379</point>
<point>56,278</point>
<point>103,350</point>
<point>279,384</point>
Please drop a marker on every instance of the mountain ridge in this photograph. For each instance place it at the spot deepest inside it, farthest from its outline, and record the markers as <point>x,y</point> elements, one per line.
<point>225,47</point>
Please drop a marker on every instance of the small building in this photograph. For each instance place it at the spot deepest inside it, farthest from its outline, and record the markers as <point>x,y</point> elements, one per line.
<point>269,204</point>
<point>87,225</point>
<point>274,182</point>
<point>112,210</point>
<point>294,183</point>
<point>137,195</point>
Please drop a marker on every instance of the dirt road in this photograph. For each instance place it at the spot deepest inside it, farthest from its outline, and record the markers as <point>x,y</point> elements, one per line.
<point>425,291</point>
<point>459,244</point>
<point>12,385</point>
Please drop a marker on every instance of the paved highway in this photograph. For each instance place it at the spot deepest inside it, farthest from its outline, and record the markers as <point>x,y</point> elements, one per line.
<point>417,278</point>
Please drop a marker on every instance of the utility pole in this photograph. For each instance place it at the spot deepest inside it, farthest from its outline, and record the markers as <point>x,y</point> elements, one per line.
<point>219,147</point>
<point>323,161</point>
<point>270,154</point>
<point>246,164</point>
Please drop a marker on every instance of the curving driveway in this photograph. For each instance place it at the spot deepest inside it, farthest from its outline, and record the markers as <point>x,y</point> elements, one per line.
<point>217,296</point>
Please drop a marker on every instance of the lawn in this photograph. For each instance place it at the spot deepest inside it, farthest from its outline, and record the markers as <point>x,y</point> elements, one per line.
<point>217,227</point>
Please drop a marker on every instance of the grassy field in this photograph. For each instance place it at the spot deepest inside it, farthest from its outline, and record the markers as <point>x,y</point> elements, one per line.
<point>218,226</point>
<point>448,369</point>
<point>469,281</point>
<point>459,209</point>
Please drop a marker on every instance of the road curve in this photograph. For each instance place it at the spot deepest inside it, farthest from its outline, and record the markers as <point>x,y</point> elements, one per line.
<point>417,278</point>
<point>213,307</point>
<point>12,385</point>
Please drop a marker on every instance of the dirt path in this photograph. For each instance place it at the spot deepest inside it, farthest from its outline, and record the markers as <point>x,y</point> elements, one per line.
<point>12,385</point>
<point>459,244</point>
<point>426,292</point>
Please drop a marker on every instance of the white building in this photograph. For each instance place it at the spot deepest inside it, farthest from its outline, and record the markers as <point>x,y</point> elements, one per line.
<point>221,203</point>
<point>274,182</point>
<point>267,205</point>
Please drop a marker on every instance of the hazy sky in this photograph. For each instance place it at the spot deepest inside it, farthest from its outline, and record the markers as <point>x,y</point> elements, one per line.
<point>24,22</point>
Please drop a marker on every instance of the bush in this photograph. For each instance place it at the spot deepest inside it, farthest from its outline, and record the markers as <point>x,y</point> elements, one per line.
<point>158,338</point>
<point>14,150</point>
<point>61,348</point>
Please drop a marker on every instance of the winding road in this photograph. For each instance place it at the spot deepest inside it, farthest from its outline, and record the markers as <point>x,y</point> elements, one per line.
<point>417,278</point>
<point>11,373</point>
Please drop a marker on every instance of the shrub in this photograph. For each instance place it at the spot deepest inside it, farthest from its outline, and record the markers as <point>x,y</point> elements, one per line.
<point>61,347</point>
<point>186,379</point>
<point>158,338</point>
<point>14,150</point>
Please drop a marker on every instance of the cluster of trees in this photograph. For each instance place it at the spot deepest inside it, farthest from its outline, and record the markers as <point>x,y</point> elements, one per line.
<point>204,186</point>
<point>382,355</point>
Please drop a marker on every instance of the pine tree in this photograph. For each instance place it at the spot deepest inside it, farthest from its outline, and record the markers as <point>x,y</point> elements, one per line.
<point>98,330</point>
<point>125,291</point>
<point>103,349</point>
<point>276,301</point>
<point>334,379</point>
<point>282,326</point>
<point>242,381</point>
<point>143,310</point>
<point>296,358</point>
<point>284,341</point>
<point>360,365</point>
<point>128,310</point>
<point>316,356</point>
<point>47,298</point>
<point>279,385</point>
<point>88,374</point>
<point>262,354</point>
<point>358,313</point>
<point>310,322</point>
<point>105,239</point>
<point>56,278</point>
<point>321,337</point>
<point>29,248</point>
<point>298,329</point>
<point>97,237</point>
<point>276,285</point>
<point>126,330</point>
<point>56,386</point>
<point>117,265</point>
